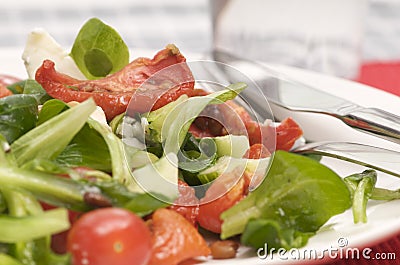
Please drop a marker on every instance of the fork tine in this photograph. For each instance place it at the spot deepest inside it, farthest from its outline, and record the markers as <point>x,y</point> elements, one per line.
<point>384,160</point>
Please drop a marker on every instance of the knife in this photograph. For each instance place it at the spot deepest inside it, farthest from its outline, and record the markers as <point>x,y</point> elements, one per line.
<point>295,96</point>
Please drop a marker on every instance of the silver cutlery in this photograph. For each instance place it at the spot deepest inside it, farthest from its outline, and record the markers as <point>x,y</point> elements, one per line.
<point>384,160</point>
<point>292,95</point>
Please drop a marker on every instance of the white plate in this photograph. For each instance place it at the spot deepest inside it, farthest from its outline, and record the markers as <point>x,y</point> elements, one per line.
<point>383,217</point>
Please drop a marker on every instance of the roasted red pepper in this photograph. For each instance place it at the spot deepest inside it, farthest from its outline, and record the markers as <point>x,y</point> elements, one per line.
<point>117,92</point>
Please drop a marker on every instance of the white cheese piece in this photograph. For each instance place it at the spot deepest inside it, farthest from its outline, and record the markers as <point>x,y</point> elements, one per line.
<point>40,46</point>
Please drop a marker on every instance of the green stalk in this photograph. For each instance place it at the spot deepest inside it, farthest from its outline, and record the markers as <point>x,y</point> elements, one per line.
<point>47,187</point>
<point>362,186</point>
<point>385,194</point>
<point>17,229</point>
<point>19,202</point>
<point>23,205</point>
<point>6,156</point>
<point>8,260</point>
<point>360,200</point>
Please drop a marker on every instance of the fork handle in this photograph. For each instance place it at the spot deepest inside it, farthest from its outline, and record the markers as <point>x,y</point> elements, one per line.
<point>375,121</point>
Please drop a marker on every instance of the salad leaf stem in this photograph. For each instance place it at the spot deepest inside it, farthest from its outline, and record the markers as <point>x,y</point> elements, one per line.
<point>361,186</point>
<point>17,229</point>
<point>24,210</point>
<point>47,187</point>
<point>8,260</point>
<point>385,194</point>
<point>6,156</point>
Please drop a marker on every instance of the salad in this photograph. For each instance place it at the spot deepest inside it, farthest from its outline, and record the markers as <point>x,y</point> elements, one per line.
<point>104,160</point>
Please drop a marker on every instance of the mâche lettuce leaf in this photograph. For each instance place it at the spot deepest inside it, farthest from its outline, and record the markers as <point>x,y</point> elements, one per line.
<point>18,115</point>
<point>32,87</point>
<point>99,50</point>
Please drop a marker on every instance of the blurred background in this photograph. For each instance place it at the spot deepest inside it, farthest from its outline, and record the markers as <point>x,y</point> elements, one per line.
<point>354,39</point>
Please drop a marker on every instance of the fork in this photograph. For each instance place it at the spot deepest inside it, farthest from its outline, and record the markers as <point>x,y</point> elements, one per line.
<point>384,160</point>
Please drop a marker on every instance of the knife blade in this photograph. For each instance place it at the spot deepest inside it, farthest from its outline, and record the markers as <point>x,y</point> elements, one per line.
<point>295,96</point>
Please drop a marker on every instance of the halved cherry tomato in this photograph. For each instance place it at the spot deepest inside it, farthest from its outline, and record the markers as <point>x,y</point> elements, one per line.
<point>174,239</point>
<point>6,80</point>
<point>114,92</point>
<point>209,212</point>
<point>187,203</point>
<point>109,236</point>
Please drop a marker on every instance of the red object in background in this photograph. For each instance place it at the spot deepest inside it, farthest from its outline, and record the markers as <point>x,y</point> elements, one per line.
<point>382,75</point>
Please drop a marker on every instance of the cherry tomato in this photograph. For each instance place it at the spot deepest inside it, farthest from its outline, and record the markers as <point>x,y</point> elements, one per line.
<point>115,92</point>
<point>174,239</point>
<point>109,236</point>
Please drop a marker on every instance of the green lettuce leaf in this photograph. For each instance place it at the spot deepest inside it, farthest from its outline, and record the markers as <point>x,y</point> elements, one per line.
<point>265,231</point>
<point>18,115</point>
<point>34,88</point>
<point>51,137</point>
<point>99,50</point>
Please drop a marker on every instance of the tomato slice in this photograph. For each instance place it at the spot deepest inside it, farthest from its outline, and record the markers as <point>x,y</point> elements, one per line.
<point>109,236</point>
<point>114,92</point>
<point>174,239</point>
<point>209,212</point>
